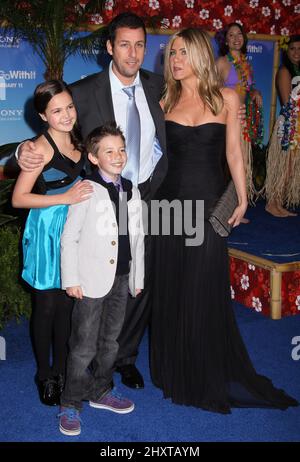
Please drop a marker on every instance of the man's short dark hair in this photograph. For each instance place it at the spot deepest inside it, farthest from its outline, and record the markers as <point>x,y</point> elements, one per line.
<point>130,20</point>
<point>93,139</point>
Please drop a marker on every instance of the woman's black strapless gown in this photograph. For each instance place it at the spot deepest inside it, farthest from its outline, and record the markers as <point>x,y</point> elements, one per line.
<point>198,357</point>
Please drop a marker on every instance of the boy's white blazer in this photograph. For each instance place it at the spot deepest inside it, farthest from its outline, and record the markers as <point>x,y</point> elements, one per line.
<point>89,244</point>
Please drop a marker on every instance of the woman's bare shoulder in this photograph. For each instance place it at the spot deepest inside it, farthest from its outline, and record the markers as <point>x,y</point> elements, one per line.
<point>221,60</point>
<point>222,63</point>
<point>230,95</point>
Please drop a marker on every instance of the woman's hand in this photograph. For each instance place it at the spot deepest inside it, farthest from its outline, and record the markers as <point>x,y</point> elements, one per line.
<point>257,98</point>
<point>242,113</point>
<point>75,292</point>
<point>81,191</point>
<point>237,215</point>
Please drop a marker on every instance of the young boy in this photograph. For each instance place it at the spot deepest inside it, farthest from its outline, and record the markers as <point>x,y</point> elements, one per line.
<point>102,257</point>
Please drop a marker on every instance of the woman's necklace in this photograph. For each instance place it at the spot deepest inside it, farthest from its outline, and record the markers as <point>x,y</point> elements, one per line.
<point>244,72</point>
<point>296,70</point>
<point>253,130</point>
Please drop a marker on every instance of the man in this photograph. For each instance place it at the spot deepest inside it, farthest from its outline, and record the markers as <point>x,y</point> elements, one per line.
<point>100,98</point>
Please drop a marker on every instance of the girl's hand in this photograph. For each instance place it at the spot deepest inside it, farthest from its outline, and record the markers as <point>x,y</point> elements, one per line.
<point>237,215</point>
<point>138,291</point>
<point>81,191</point>
<point>75,292</point>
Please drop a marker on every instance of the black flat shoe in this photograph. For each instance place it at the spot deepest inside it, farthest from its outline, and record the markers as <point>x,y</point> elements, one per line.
<point>130,376</point>
<point>48,391</point>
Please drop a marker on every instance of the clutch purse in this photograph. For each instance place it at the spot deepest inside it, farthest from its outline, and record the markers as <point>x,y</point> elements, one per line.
<point>223,210</point>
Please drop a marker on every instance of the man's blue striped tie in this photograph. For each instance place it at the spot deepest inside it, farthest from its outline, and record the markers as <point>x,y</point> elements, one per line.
<point>133,138</point>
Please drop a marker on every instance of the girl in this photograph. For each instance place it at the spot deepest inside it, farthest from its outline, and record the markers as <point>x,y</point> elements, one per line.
<point>47,191</point>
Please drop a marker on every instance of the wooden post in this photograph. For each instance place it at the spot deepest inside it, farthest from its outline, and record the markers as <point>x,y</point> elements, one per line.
<point>274,93</point>
<point>275,299</point>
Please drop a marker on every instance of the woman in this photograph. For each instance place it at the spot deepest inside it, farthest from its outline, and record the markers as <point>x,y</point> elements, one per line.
<point>197,355</point>
<point>283,163</point>
<point>237,73</point>
<point>58,186</point>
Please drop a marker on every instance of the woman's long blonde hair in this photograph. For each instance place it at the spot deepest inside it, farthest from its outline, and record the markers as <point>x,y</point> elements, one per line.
<point>201,58</point>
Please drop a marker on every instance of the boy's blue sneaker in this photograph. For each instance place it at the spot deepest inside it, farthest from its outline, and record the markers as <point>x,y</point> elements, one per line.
<point>69,421</point>
<point>114,402</point>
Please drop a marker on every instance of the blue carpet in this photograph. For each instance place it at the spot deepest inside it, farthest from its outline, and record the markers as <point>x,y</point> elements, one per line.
<point>276,239</point>
<point>24,419</point>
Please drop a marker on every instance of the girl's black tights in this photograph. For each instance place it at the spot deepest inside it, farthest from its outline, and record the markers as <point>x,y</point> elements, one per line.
<point>50,324</point>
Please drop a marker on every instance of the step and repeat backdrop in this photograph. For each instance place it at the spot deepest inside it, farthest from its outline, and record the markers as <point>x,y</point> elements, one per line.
<point>21,70</point>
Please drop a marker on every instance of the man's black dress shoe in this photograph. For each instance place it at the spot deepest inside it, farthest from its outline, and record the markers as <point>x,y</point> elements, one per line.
<point>60,382</point>
<point>130,376</point>
<point>48,391</point>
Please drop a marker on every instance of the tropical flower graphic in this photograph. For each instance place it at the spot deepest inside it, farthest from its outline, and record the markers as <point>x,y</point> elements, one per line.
<point>232,292</point>
<point>256,303</point>
<point>266,11</point>
<point>189,3</point>
<point>284,31</point>
<point>228,10</point>
<point>245,281</point>
<point>280,17</point>
<point>176,21</point>
<point>204,14</point>
<point>217,23</point>
<point>154,4</point>
<point>109,4</point>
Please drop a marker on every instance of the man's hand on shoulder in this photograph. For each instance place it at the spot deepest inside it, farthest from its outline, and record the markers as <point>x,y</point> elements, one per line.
<point>28,157</point>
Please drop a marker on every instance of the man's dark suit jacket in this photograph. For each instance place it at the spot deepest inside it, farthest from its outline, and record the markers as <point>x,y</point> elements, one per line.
<point>93,101</point>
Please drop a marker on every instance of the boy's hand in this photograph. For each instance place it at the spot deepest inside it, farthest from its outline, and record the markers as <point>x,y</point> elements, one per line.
<point>138,291</point>
<point>75,292</point>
